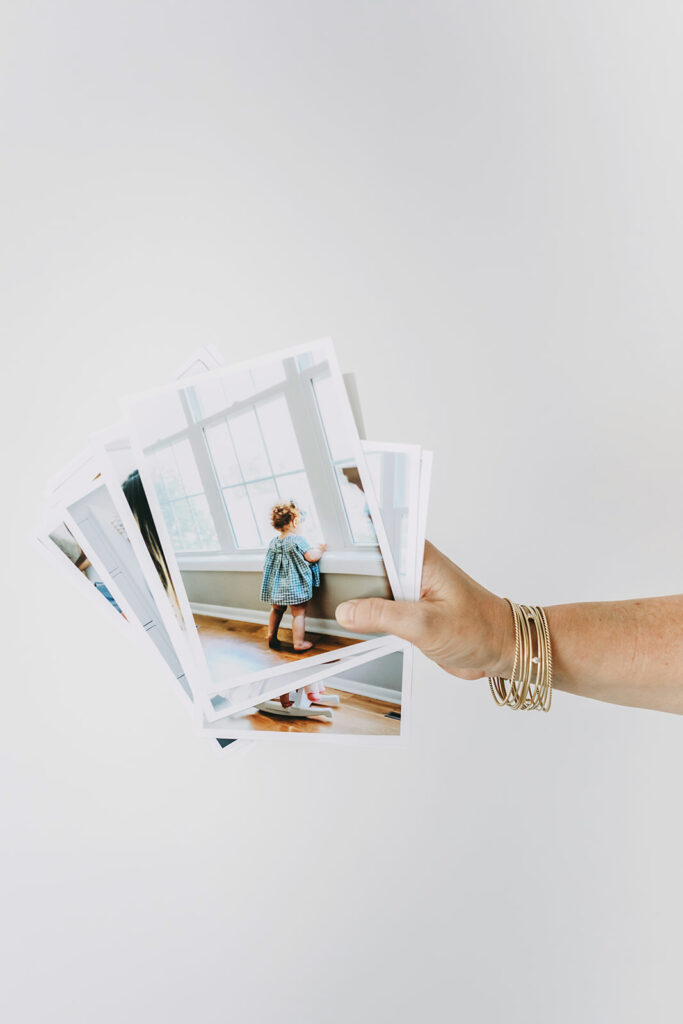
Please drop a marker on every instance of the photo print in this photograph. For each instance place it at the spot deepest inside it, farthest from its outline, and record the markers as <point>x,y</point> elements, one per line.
<point>359,694</point>
<point>56,543</point>
<point>114,456</point>
<point>347,705</point>
<point>266,514</point>
<point>93,519</point>
<point>312,696</point>
<point>365,702</point>
<point>401,493</point>
<point>124,594</point>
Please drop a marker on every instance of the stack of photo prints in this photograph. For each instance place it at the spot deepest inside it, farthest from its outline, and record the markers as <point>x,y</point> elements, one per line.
<point>224,520</point>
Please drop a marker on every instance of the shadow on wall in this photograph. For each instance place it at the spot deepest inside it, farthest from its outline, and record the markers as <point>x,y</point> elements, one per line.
<point>242,589</point>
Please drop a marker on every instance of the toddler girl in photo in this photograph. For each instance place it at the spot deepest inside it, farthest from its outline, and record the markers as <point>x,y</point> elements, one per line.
<point>290,573</point>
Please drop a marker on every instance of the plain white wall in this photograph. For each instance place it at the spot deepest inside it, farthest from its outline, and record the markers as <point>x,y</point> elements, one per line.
<point>481,204</point>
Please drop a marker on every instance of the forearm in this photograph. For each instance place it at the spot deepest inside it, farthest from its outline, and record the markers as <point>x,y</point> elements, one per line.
<point>623,652</point>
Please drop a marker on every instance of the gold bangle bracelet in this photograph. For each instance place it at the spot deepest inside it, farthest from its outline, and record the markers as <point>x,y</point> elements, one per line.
<point>530,684</point>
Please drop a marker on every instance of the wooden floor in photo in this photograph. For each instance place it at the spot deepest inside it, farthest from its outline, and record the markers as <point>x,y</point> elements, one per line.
<point>234,648</point>
<point>355,716</point>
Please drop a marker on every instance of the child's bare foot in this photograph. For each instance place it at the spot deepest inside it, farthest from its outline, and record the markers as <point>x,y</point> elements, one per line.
<point>285,701</point>
<point>305,646</point>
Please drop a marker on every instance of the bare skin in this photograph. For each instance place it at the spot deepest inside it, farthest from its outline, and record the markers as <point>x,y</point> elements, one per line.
<point>622,652</point>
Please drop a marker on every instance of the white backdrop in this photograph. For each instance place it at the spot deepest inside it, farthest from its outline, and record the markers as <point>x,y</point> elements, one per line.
<point>481,204</point>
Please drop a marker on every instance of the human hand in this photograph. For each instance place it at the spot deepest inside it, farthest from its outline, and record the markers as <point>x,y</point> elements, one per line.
<point>457,623</point>
<point>322,547</point>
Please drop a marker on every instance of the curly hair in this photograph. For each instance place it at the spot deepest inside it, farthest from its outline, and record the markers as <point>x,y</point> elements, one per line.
<point>283,514</point>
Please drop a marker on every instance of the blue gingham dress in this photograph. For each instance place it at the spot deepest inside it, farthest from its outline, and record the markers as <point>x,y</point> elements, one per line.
<point>287,577</point>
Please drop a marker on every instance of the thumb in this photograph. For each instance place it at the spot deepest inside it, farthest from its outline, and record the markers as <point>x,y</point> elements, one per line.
<point>375,615</point>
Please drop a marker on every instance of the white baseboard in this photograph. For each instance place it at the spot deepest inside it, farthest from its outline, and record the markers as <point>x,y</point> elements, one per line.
<point>329,627</point>
<point>364,689</point>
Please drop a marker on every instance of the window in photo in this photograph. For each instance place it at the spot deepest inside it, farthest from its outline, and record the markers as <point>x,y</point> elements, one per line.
<point>348,479</point>
<point>217,394</point>
<point>182,498</point>
<point>232,445</point>
<point>257,462</point>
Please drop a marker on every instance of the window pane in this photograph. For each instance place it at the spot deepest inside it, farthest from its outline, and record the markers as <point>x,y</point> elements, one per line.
<point>338,437</point>
<point>268,375</point>
<point>241,518</point>
<point>207,539</point>
<point>172,526</point>
<point>263,496</point>
<point>295,487</point>
<point>158,478</point>
<point>357,511</point>
<point>249,446</point>
<point>187,468</point>
<point>223,455</point>
<point>190,525</point>
<point>278,431</point>
<point>167,482</point>
<point>187,532</point>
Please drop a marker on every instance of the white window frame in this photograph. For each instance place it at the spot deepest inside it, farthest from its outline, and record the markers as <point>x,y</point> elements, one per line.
<point>346,556</point>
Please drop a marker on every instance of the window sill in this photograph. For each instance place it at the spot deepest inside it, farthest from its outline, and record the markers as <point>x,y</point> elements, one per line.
<point>354,563</point>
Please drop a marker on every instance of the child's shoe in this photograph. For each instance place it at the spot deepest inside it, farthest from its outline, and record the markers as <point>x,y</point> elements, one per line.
<point>330,700</point>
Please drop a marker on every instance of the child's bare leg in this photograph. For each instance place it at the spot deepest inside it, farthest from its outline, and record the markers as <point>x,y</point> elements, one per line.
<point>274,620</point>
<point>285,700</point>
<point>299,628</point>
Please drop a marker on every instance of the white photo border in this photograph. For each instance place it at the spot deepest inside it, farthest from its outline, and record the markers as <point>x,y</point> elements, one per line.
<point>210,688</point>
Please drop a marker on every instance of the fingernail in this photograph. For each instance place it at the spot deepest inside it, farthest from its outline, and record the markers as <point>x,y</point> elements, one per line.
<point>345,613</point>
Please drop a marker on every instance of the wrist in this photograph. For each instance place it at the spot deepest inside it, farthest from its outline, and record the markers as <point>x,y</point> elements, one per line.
<point>502,639</point>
